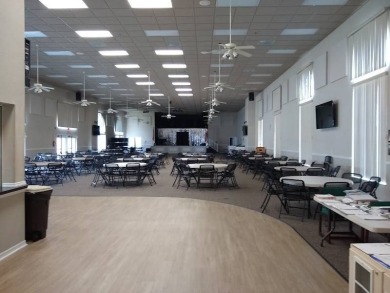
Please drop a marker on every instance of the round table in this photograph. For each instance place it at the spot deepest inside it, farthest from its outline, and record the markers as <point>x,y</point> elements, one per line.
<point>216,165</point>
<point>317,181</point>
<point>123,164</point>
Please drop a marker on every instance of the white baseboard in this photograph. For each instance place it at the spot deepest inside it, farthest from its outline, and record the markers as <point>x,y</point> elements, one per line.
<point>12,250</point>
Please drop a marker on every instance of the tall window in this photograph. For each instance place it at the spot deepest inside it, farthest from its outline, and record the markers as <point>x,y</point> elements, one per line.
<point>260,132</point>
<point>368,65</point>
<point>305,84</point>
<point>66,144</point>
<point>102,140</point>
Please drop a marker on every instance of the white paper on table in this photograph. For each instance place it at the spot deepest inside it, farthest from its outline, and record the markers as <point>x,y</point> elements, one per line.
<point>371,217</point>
<point>371,248</point>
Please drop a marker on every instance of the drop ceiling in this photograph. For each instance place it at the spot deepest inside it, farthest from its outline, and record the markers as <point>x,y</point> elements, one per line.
<point>192,28</point>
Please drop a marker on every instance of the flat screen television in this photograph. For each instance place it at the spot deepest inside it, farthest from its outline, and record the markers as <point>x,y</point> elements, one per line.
<point>95,130</point>
<point>245,130</point>
<point>326,115</point>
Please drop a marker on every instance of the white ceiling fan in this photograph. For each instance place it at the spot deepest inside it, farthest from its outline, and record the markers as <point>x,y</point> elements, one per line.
<point>111,110</point>
<point>169,116</point>
<point>219,85</point>
<point>84,102</point>
<point>231,50</point>
<point>149,102</point>
<point>38,87</point>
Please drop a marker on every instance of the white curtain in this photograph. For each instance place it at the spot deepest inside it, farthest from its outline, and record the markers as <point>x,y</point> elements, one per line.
<point>305,84</point>
<point>306,118</point>
<point>369,151</point>
<point>277,136</point>
<point>368,62</point>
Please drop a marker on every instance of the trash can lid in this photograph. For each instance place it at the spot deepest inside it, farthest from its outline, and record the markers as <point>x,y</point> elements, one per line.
<point>37,188</point>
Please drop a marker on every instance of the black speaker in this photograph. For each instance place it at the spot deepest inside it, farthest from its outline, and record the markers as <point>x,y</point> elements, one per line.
<point>251,96</point>
<point>78,96</point>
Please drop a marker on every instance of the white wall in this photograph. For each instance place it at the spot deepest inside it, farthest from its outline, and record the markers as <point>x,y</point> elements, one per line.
<point>141,124</point>
<point>331,83</point>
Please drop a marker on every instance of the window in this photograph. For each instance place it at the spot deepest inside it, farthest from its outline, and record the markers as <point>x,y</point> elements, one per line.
<point>66,144</point>
<point>102,140</point>
<point>260,132</point>
<point>368,54</point>
<point>305,84</point>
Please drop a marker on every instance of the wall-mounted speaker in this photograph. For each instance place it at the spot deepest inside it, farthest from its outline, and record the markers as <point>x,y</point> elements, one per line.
<point>78,96</point>
<point>251,96</point>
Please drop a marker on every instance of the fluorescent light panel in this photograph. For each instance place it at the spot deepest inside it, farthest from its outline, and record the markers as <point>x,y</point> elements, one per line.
<point>185,95</point>
<point>226,32</point>
<point>169,52</point>
<point>58,53</point>
<point>221,65</point>
<point>38,66</point>
<point>269,65</point>
<point>109,83</point>
<point>114,53</point>
<point>181,83</point>
<point>150,4</point>
<point>178,75</point>
<point>64,4</point>
<point>156,95</point>
<point>57,76</point>
<point>94,34</point>
<point>183,90</point>
<point>137,76</point>
<point>122,66</point>
<point>298,31</point>
<point>144,83</point>
<point>162,33</point>
<point>324,2</point>
<point>254,82</point>
<point>81,66</point>
<point>237,3</point>
<point>281,51</point>
<point>73,83</point>
<point>173,66</point>
<point>261,74</point>
<point>34,34</point>
<point>97,76</point>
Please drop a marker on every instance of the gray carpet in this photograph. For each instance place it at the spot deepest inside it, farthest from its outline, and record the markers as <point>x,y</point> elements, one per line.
<point>248,195</point>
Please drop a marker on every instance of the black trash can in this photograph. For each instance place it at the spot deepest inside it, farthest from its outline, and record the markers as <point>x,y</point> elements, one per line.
<point>37,211</point>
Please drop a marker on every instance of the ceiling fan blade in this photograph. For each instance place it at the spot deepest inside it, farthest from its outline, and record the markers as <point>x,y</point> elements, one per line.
<point>245,47</point>
<point>243,53</point>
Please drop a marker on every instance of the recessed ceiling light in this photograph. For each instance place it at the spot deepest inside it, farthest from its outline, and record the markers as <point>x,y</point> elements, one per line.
<point>114,53</point>
<point>80,66</point>
<point>269,65</point>
<point>162,33</point>
<point>169,52</point>
<point>57,76</point>
<point>204,3</point>
<point>58,53</point>
<point>122,66</point>
<point>281,51</point>
<point>94,34</point>
<point>183,90</point>
<point>324,2</point>
<point>156,95</point>
<point>144,83</point>
<point>226,3</point>
<point>64,4</point>
<point>73,83</point>
<point>38,66</point>
<point>137,76</point>
<point>185,95</point>
<point>34,34</point>
<point>154,4</point>
<point>172,66</point>
<point>298,31</point>
<point>234,32</point>
<point>178,76</point>
<point>181,83</point>
<point>97,76</point>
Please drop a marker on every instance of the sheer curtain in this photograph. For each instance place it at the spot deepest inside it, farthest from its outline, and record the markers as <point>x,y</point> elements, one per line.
<point>368,61</point>
<point>305,84</point>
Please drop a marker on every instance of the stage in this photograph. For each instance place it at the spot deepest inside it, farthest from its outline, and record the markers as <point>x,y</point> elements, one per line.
<point>174,149</point>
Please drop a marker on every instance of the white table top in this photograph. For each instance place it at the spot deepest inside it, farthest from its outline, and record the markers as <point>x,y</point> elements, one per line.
<point>134,159</point>
<point>298,168</point>
<point>186,159</point>
<point>376,226</point>
<point>216,165</point>
<point>317,181</point>
<point>123,164</point>
<point>44,163</point>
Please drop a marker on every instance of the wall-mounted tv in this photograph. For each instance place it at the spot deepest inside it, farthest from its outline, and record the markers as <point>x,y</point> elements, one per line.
<point>95,130</point>
<point>326,115</point>
<point>245,130</point>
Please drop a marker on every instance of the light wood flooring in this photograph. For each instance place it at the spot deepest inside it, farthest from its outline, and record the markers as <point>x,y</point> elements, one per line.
<point>147,244</point>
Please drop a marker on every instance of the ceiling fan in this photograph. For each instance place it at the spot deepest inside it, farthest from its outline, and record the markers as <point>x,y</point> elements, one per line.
<point>38,87</point>
<point>111,110</point>
<point>231,50</point>
<point>219,85</point>
<point>169,116</point>
<point>149,102</point>
<point>84,102</point>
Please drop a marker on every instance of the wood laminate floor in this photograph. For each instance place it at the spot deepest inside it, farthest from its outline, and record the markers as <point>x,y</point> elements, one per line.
<point>146,244</point>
